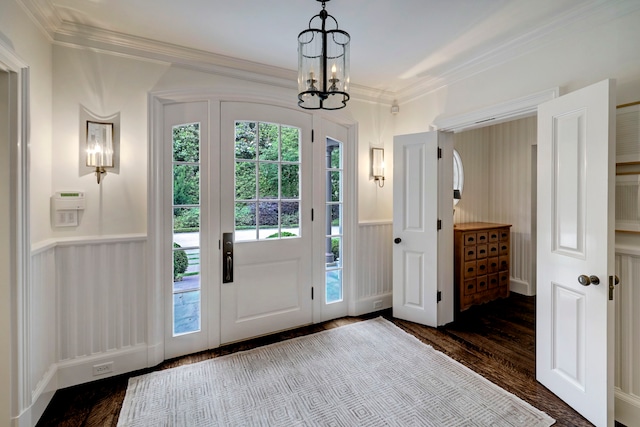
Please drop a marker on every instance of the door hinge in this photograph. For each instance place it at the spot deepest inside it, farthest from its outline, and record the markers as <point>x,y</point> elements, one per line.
<point>439,224</point>
<point>312,215</point>
<point>312,292</point>
<point>313,136</point>
<point>439,153</point>
<point>439,296</point>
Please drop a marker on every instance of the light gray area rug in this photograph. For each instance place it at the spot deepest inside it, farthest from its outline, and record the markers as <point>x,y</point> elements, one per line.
<point>369,373</point>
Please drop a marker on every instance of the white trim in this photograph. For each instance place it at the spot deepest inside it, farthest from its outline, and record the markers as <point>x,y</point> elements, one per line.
<point>365,305</point>
<point>520,287</point>
<point>627,250</point>
<point>375,222</point>
<point>627,408</point>
<point>498,113</point>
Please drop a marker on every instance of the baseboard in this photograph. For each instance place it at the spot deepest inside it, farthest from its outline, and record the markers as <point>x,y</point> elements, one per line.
<point>521,287</point>
<point>42,395</point>
<point>627,409</point>
<point>80,370</point>
<point>370,304</point>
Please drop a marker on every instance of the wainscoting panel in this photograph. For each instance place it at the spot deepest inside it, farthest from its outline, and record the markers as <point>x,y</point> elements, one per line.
<point>374,262</point>
<point>41,330</point>
<point>101,296</point>
<point>627,370</point>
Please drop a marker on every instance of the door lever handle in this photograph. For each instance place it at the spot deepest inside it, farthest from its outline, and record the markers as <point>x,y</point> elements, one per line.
<point>227,263</point>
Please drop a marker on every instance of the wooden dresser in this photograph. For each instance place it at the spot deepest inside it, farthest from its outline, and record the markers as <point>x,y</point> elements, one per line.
<point>481,262</point>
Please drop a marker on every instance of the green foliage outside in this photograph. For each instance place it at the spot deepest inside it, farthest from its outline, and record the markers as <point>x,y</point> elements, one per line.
<point>335,247</point>
<point>180,263</point>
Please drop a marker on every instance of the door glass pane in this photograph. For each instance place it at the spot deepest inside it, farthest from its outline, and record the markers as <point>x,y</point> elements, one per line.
<point>290,181</point>
<point>269,141</point>
<point>290,144</point>
<point>186,228</point>
<point>245,221</point>
<point>334,216</point>
<point>267,177</point>
<point>269,180</point>
<point>334,286</point>
<point>246,140</point>
<point>186,224</point>
<point>245,180</point>
<point>186,143</point>
<point>290,220</point>
<point>333,225</point>
<point>268,219</point>
<point>186,184</point>
<point>334,183</point>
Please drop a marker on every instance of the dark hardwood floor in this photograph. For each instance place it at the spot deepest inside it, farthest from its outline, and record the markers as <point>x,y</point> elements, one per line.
<point>497,340</point>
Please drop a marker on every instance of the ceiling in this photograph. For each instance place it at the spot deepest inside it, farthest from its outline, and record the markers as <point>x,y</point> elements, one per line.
<point>398,47</point>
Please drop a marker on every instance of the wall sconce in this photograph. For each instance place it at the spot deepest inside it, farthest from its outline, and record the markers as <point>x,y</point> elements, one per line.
<point>377,165</point>
<point>99,147</point>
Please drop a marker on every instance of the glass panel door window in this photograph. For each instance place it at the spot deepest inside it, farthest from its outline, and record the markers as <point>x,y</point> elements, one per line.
<point>186,286</point>
<point>267,181</point>
<point>334,234</point>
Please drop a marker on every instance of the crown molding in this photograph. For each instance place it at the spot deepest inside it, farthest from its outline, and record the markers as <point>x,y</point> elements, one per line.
<point>44,14</point>
<point>78,35</point>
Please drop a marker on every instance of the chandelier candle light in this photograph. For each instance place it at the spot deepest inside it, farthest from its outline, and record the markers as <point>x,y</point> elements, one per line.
<point>323,65</point>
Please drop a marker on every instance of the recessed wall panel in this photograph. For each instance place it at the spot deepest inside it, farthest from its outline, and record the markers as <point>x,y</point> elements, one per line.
<point>413,278</point>
<point>569,174</point>
<point>413,176</point>
<point>568,329</point>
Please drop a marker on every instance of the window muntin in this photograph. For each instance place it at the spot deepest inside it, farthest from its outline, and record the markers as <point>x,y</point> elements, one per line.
<point>267,181</point>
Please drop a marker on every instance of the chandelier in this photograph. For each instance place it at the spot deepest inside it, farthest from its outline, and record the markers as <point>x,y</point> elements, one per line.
<point>323,64</point>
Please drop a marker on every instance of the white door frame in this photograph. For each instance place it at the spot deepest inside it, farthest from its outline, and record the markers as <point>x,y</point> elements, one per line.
<point>17,259</point>
<point>156,292</point>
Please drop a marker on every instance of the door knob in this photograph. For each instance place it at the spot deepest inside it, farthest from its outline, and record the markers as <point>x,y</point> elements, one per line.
<point>397,240</point>
<point>585,280</point>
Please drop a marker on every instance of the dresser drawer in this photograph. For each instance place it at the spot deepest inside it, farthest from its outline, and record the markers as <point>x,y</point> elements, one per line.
<point>470,253</point>
<point>493,249</point>
<point>503,277</point>
<point>481,284</point>
<point>469,269</point>
<point>504,234</point>
<point>503,248</point>
<point>494,236</point>
<point>470,287</point>
<point>481,251</point>
<point>482,237</point>
<point>493,281</point>
<point>481,267</point>
<point>469,239</point>
<point>504,262</point>
<point>493,265</point>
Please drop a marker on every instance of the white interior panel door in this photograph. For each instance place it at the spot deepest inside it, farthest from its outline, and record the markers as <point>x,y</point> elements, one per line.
<point>266,172</point>
<point>574,319</point>
<point>415,216</point>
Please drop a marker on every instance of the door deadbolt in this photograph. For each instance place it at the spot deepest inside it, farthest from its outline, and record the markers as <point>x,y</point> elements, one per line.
<point>585,280</point>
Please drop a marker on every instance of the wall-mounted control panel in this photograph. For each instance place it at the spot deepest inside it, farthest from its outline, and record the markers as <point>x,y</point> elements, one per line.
<point>65,206</point>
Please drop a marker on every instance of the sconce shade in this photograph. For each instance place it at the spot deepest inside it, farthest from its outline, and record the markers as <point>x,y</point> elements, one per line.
<point>100,145</point>
<point>323,65</point>
<point>377,165</point>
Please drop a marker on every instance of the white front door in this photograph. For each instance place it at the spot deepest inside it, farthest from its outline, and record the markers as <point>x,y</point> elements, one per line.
<point>574,326</point>
<point>417,202</point>
<point>265,172</point>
